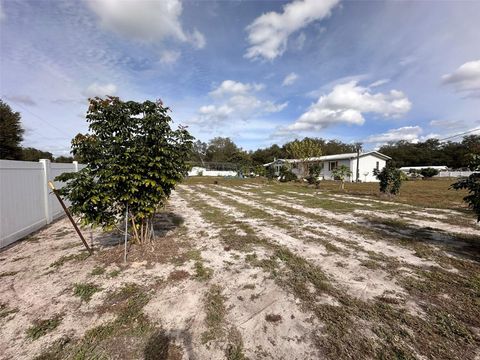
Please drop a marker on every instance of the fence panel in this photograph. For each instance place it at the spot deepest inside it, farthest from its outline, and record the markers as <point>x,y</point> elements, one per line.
<point>26,203</point>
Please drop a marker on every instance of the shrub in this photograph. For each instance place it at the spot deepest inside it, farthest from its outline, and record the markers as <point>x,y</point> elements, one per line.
<point>286,174</point>
<point>341,173</point>
<point>390,179</point>
<point>429,172</point>
<point>472,185</point>
<point>313,174</point>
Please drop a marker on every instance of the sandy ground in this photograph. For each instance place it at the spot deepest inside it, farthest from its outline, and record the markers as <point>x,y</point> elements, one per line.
<point>32,288</point>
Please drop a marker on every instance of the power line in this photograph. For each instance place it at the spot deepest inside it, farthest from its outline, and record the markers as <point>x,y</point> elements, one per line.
<point>457,135</point>
<point>44,121</point>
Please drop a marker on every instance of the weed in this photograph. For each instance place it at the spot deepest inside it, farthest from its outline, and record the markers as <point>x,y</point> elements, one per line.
<point>85,291</point>
<point>42,327</point>
<point>98,270</point>
<point>202,272</point>
<point>114,273</point>
<point>79,257</point>
<point>214,314</point>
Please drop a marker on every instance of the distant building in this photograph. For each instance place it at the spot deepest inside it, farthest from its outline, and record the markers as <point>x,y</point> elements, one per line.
<point>407,169</point>
<point>368,162</point>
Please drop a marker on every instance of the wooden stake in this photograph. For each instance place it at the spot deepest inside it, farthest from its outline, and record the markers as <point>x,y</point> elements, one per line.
<point>55,191</point>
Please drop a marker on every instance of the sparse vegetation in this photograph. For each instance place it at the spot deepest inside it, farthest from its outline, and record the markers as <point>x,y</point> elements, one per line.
<point>42,327</point>
<point>85,291</point>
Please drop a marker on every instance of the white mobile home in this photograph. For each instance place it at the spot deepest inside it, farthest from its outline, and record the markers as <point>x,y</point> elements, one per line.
<point>368,162</point>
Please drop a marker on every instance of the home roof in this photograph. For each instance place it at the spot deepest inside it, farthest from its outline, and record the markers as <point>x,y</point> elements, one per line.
<point>334,157</point>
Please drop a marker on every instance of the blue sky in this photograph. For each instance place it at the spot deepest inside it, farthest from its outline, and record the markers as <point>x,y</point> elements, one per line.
<point>260,72</point>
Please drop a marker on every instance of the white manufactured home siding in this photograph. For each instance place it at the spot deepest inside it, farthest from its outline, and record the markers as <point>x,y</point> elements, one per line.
<point>367,165</point>
<point>326,174</point>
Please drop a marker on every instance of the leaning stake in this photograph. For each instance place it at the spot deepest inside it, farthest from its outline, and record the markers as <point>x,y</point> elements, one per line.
<point>55,191</point>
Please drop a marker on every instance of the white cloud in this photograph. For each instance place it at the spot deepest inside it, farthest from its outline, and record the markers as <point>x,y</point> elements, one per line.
<point>290,79</point>
<point>268,34</point>
<point>169,56</point>
<point>145,20</point>
<point>347,103</point>
<point>21,99</point>
<point>197,39</point>
<point>408,133</point>
<point>465,78</point>
<point>235,100</point>
<point>231,87</point>
<point>100,90</point>
<point>379,83</point>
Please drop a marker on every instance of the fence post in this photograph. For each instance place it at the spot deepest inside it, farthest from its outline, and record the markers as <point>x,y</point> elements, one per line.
<point>46,198</point>
<point>75,166</point>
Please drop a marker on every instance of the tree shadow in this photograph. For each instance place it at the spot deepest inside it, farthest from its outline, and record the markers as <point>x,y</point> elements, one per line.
<point>464,246</point>
<point>163,223</point>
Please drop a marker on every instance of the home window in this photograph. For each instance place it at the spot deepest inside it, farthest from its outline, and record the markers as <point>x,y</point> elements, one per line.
<point>377,166</point>
<point>332,165</point>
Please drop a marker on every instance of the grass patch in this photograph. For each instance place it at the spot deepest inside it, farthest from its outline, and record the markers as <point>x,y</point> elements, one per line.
<point>77,257</point>
<point>85,291</point>
<point>114,273</point>
<point>98,270</point>
<point>202,272</point>
<point>214,314</point>
<point>42,327</point>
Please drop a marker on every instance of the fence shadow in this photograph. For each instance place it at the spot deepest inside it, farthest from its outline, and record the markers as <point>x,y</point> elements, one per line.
<point>465,246</point>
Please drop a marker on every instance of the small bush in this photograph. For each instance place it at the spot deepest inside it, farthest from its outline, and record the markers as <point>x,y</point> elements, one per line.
<point>429,172</point>
<point>390,179</point>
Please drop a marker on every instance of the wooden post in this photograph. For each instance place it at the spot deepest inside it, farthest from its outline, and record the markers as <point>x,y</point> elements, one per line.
<point>50,184</point>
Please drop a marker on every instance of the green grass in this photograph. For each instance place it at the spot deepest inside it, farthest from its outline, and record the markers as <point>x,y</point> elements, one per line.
<point>42,327</point>
<point>98,270</point>
<point>202,272</point>
<point>85,291</point>
<point>214,314</point>
<point>5,310</point>
<point>77,257</point>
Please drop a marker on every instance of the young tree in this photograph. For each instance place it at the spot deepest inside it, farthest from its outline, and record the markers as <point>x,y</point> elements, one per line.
<point>390,179</point>
<point>341,173</point>
<point>302,150</point>
<point>472,185</point>
<point>11,133</point>
<point>313,174</point>
<point>133,159</point>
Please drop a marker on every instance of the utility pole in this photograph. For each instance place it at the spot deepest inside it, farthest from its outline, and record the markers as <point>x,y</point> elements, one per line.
<point>359,147</point>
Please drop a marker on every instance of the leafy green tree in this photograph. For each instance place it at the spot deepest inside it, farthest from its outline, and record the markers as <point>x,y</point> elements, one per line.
<point>472,185</point>
<point>341,173</point>
<point>429,172</point>
<point>11,133</point>
<point>199,152</point>
<point>133,158</point>
<point>32,154</point>
<point>302,150</point>
<point>390,179</point>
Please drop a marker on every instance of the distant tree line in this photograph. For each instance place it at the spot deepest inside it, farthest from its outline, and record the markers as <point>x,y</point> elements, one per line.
<point>455,155</point>
<point>223,150</point>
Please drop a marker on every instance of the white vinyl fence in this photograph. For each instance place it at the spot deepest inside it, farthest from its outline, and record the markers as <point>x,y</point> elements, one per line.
<point>455,173</point>
<point>26,202</point>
